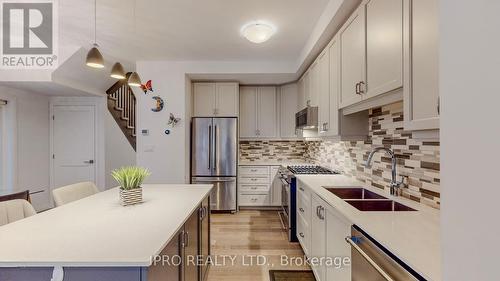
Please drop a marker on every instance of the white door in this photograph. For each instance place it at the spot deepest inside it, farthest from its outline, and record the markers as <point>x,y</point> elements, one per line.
<point>352,40</point>
<point>267,119</point>
<point>248,112</point>
<point>73,144</point>
<point>204,100</point>
<point>227,99</point>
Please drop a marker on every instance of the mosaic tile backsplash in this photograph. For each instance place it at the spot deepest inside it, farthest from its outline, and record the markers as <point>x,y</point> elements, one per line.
<point>275,151</point>
<point>418,160</point>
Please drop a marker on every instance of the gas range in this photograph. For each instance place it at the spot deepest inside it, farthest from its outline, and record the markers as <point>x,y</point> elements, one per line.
<point>289,193</point>
<point>310,170</point>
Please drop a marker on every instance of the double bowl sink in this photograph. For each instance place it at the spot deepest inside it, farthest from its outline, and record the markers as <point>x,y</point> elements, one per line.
<point>366,200</point>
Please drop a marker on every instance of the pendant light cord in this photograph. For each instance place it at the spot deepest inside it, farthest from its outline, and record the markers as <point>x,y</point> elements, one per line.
<point>95,22</point>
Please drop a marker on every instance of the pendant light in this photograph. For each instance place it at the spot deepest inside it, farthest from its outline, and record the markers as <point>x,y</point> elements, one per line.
<point>94,57</point>
<point>134,80</point>
<point>118,72</point>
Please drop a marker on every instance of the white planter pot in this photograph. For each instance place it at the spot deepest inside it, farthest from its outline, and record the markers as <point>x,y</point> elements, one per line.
<point>130,197</point>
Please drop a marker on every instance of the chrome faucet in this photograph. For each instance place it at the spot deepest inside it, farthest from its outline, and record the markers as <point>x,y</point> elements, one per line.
<point>395,185</point>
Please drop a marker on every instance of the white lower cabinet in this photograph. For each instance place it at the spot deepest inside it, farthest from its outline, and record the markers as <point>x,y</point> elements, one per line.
<point>304,218</point>
<point>318,236</point>
<point>337,228</point>
<point>321,231</point>
<point>259,186</point>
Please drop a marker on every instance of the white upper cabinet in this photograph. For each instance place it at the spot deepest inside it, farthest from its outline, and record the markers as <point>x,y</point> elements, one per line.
<point>227,102</point>
<point>301,97</point>
<point>314,80</point>
<point>384,46</point>
<point>215,99</point>
<point>258,112</point>
<point>307,89</point>
<point>248,112</point>
<point>267,114</point>
<point>288,101</point>
<point>323,90</point>
<point>352,40</point>
<point>421,88</point>
<point>204,99</point>
<point>332,128</point>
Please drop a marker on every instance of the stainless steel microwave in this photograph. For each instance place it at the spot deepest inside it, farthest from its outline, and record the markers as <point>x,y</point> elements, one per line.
<point>307,118</point>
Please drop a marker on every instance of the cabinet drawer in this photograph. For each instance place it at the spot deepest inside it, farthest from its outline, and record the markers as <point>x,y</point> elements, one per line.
<point>304,194</point>
<point>304,208</point>
<point>255,180</point>
<point>257,171</point>
<point>303,233</point>
<point>245,188</point>
<point>254,199</point>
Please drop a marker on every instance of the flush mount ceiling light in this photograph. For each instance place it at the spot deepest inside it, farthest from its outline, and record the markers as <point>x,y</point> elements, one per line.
<point>258,32</point>
<point>117,71</point>
<point>94,57</point>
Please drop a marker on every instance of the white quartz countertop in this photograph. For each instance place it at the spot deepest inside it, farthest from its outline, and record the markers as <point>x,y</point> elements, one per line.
<point>272,163</point>
<point>98,231</point>
<point>414,237</point>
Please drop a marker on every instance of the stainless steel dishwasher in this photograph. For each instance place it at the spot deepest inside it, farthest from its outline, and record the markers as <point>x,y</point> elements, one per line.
<point>372,262</point>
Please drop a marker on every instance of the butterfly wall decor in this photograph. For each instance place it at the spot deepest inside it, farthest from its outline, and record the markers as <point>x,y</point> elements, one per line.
<point>148,87</point>
<point>172,121</point>
<point>159,104</point>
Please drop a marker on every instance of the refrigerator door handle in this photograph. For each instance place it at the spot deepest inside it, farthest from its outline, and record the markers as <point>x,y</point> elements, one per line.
<point>209,147</point>
<point>216,158</point>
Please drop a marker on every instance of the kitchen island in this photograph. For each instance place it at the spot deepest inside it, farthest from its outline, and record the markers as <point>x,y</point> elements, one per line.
<point>97,239</point>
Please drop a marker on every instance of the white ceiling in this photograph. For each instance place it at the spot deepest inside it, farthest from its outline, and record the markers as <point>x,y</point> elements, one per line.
<point>190,29</point>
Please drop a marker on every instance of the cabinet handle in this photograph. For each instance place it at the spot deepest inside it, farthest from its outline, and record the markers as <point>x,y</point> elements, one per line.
<point>317,211</point>
<point>308,103</point>
<point>357,88</point>
<point>302,210</point>
<point>361,90</point>
<point>301,235</point>
<point>253,170</point>
<point>253,179</point>
<point>253,187</point>
<point>301,189</point>
<point>321,213</point>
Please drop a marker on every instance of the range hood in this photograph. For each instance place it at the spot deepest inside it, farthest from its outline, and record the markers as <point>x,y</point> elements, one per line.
<point>307,118</point>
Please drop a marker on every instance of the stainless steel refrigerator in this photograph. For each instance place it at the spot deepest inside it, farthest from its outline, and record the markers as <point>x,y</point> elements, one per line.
<point>214,149</point>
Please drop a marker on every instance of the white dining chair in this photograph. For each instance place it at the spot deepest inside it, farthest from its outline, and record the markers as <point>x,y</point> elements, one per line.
<point>14,210</point>
<point>73,192</point>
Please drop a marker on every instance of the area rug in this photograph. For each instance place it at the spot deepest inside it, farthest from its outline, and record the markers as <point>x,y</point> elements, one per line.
<point>291,275</point>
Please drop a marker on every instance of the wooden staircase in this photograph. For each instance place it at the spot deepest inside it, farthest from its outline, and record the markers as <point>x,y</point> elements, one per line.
<point>122,106</point>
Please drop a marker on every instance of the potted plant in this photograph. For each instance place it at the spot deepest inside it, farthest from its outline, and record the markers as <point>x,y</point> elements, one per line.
<point>130,180</point>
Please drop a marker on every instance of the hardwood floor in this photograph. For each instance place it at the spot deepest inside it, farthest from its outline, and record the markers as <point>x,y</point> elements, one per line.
<point>243,235</point>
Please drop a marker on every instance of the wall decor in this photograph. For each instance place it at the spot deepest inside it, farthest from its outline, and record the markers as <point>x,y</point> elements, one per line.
<point>159,104</point>
<point>172,121</point>
<point>148,87</point>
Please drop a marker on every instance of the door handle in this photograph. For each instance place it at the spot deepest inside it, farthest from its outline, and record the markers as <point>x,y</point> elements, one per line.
<point>89,162</point>
<point>209,147</point>
<point>216,130</point>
